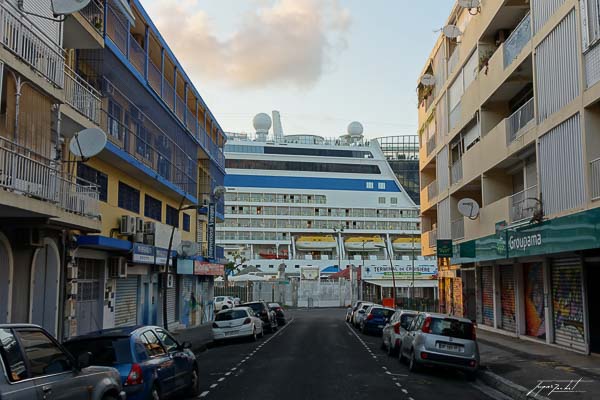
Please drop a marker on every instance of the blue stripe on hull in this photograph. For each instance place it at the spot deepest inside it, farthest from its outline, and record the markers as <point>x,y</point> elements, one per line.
<point>299,182</point>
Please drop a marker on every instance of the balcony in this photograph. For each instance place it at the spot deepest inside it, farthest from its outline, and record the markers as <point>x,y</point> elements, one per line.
<point>516,123</point>
<point>154,77</point>
<point>458,229</point>
<point>21,37</point>
<point>137,55</point>
<point>82,96</point>
<point>180,108</point>
<point>456,171</point>
<point>431,143</point>
<point>453,61</point>
<point>168,94</point>
<point>94,14</point>
<point>30,174</point>
<point>432,191</point>
<point>455,116</point>
<point>595,175</point>
<point>523,204</point>
<point>517,41</point>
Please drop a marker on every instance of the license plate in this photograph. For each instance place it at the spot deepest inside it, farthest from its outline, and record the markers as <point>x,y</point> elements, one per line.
<point>231,333</point>
<point>380,326</point>
<point>450,347</point>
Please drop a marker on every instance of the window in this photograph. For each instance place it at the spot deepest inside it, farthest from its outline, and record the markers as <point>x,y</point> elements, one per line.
<point>302,166</point>
<point>369,185</point>
<point>105,351</point>
<point>152,344</point>
<point>590,11</point>
<point>186,222</point>
<point>167,341</point>
<point>92,175</point>
<point>317,152</point>
<point>381,185</point>
<point>152,208</point>
<point>382,200</point>
<point>115,116</point>
<point>44,355</point>
<point>13,359</point>
<point>172,217</point>
<point>129,198</point>
<point>393,200</point>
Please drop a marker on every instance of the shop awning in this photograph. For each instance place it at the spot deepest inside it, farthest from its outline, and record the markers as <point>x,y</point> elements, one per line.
<point>103,243</point>
<point>388,283</point>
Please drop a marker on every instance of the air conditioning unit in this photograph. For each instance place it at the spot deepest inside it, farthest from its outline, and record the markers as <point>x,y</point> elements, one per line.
<point>117,267</point>
<point>149,227</point>
<point>170,281</point>
<point>139,225</point>
<point>127,225</point>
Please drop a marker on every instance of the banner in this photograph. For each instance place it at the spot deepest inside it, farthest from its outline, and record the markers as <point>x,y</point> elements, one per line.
<point>424,269</point>
<point>210,233</point>
<point>143,253</point>
<point>205,268</point>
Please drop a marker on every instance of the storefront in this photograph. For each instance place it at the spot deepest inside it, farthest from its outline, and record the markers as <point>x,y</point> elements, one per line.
<point>508,315</point>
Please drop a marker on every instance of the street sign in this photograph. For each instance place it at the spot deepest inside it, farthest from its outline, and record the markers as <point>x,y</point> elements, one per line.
<point>444,248</point>
<point>210,232</point>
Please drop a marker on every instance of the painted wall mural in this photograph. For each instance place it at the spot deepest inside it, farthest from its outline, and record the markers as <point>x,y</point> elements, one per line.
<point>534,301</point>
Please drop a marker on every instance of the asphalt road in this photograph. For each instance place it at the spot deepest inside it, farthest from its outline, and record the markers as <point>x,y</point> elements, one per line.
<point>318,356</point>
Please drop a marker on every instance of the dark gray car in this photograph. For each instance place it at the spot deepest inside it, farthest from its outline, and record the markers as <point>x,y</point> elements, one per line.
<point>36,366</point>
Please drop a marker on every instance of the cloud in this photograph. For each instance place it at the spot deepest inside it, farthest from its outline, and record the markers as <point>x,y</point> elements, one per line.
<point>289,42</point>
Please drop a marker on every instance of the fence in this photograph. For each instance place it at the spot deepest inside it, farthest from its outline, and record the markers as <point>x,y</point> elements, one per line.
<point>82,96</point>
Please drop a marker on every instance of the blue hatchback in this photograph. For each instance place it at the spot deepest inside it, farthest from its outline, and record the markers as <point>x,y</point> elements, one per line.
<point>152,364</point>
<point>375,319</point>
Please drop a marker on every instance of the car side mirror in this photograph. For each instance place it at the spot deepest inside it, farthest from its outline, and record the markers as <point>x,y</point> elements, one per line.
<point>84,360</point>
<point>186,345</point>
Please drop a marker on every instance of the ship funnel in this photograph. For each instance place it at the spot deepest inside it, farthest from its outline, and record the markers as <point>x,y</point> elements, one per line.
<point>277,128</point>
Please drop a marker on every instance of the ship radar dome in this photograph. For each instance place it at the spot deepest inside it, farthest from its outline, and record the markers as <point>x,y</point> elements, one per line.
<point>355,129</point>
<point>262,122</point>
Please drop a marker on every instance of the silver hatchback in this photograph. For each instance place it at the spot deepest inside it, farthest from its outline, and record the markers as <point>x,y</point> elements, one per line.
<point>441,340</point>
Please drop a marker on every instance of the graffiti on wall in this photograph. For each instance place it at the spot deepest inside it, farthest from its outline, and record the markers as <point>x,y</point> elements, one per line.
<point>534,301</point>
<point>567,303</point>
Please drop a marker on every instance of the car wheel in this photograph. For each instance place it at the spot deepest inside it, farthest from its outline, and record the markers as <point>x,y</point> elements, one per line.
<point>413,365</point>
<point>194,389</point>
<point>254,336</point>
<point>224,308</point>
<point>155,393</point>
<point>401,356</point>
<point>383,344</point>
<point>390,349</point>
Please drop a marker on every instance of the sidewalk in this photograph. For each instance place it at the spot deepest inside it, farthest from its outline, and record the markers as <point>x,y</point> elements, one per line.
<point>200,336</point>
<point>516,366</point>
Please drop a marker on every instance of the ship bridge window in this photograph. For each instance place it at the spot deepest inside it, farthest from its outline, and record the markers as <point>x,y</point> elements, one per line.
<point>318,152</point>
<point>369,185</point>
<point>303,166</point>
<point>393,200</point>
<point>381,201</point>
<point>381,185</point>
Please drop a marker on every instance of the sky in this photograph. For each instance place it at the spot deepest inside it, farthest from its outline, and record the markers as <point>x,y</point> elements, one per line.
<point>320,63</point>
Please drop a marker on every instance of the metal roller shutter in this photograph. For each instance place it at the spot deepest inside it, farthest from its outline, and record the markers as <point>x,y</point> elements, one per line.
<point>567,303</point>
<point>126,301</point>
<point>171,304</point>
<point>487,295</point>
<point>507,297</point>
<point>533,277</point>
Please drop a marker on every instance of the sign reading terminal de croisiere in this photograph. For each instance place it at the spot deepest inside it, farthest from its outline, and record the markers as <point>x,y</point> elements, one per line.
<point>424,269</point>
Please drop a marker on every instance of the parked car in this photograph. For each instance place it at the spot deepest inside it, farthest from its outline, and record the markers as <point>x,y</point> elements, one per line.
<point>236,301</point>
<point>395,329</point>
<point>152,364</point>
<point>442,340</point>
<point>348,313</point>
<point>237,322</point>
<point>223,303</point>
<point>359,314</point>
<point>375,319</point>
<point>279,314</point>
<point>34,364</point>
<point>268,317</point>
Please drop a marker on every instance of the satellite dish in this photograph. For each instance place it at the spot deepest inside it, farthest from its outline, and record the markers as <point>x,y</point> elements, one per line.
<point>88,143</point>
<point>219,191</point>
<point>428,80</point>
<point>68,7</point>
<point>469,3</point>
<point>469,208</point>
<point>451,31</point>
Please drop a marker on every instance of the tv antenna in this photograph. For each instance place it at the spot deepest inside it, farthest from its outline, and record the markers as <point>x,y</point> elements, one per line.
<point>451,31</point>
<point>87,143</point>
<point>60,8</point>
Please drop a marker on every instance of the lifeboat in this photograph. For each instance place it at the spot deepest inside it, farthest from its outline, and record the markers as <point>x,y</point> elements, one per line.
<point>364,243</point>
<point>405,243</point>
<point>316,243</point>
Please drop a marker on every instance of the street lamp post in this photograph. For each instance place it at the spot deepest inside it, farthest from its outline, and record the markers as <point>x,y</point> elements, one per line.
<point>387,250</point>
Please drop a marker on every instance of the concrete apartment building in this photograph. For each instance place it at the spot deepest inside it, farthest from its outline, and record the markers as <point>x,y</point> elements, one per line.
<point>512,122</point>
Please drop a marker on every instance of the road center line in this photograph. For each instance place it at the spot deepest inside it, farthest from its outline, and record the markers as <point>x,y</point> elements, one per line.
<point>214,385</point>
<point>203,394</point>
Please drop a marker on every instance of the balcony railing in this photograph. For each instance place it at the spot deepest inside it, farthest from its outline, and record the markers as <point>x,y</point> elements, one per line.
<point>457,171</point>
<point>94,14</point>
<point>432,190</point>
<point>82,96</point>
<point>433,238</point>
<point>458,229</point>
<point>154,77</point>
<point>168,94</point>
<point>116,29</point>
<point>190,122</point>
<point>431,143</point>
<point>22,37</point>
<point>180,108</point>
<point>137,55</point>
<point>595,175</point>
<point>22,171</point>
<point>454,117</point>
<point>519,120</point>
<point>517,40</point>
<point>523,204</point>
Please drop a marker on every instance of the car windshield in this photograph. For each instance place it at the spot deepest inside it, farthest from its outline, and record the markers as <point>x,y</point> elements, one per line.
<point>256,307</point>
<point>382,312</point>
<point>366,306</point>
<point>231,314</point>
<point>452,328</point>
<point>105,351</point>
<point>406,319</point>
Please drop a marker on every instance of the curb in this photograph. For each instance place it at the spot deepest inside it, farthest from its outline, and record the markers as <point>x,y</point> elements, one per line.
<point>503,385</point>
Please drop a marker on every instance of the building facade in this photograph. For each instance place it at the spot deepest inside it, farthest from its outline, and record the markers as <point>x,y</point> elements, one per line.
<point>90,237</point>
<point>402,154</point>
<point>508,115</point>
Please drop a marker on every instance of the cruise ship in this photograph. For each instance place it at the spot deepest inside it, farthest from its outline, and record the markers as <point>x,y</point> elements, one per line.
<point>303,200</point>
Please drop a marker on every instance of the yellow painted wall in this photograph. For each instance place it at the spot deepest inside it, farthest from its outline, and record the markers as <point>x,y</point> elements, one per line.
<point>111,213</point>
